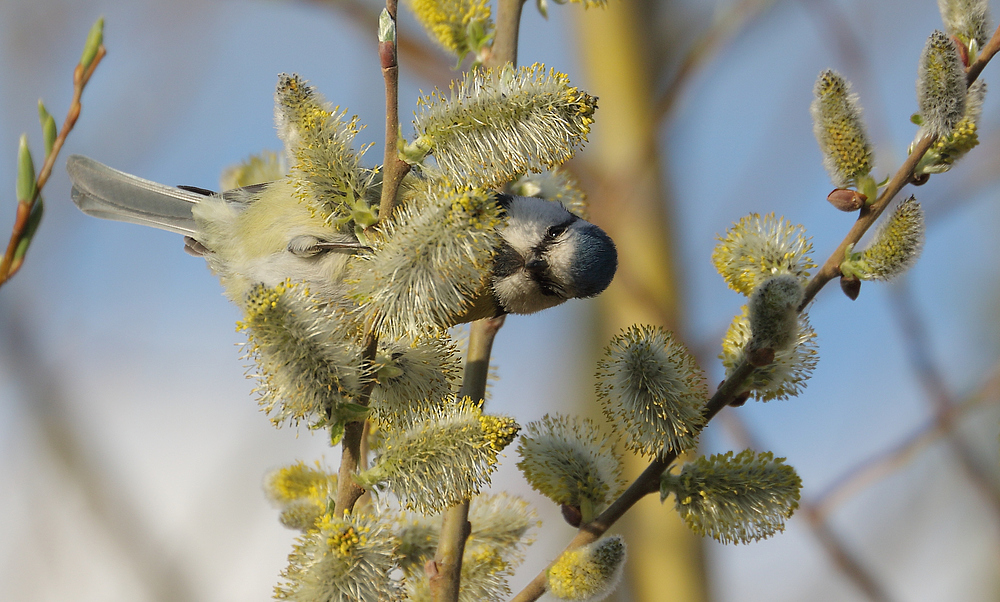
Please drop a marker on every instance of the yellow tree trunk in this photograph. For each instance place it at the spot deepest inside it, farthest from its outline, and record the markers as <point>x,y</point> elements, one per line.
<point>628,199</point>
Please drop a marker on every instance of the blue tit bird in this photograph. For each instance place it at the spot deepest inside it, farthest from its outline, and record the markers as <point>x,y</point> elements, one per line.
<point>264,234</point>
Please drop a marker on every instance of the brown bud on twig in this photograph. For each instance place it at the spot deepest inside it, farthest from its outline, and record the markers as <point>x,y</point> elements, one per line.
<point>846,199</point>
<point>760,357</point>
<point>740,399</point>
<point>851,285</point>
<point>572,515</point>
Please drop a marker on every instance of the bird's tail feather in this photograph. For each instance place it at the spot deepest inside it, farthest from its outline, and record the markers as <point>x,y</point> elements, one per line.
<point>101,191</point>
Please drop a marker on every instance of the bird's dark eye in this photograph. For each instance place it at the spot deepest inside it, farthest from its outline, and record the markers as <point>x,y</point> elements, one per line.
<point>554,231</point>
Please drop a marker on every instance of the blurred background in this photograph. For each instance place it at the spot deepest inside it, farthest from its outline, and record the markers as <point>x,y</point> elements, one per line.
<point>132,447</point>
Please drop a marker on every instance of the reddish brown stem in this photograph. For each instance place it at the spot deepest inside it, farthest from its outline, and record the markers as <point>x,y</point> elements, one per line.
<point>80,78</point>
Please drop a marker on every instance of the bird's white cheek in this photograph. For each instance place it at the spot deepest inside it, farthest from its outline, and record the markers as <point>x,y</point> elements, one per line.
<point>518,294</point>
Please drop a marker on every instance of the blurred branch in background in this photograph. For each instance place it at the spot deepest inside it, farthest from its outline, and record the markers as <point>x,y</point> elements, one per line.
<point>29,187</point>
<point>420,59</point>
<point>897,456</point>
<point>928,374</point>
<point>162,576</point>
<point>727,24</point>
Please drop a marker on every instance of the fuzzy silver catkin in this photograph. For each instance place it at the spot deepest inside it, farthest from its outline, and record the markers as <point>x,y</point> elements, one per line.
<point>651,386</point>
<point>588,573</point>
<point>840,130</point>
<point>428,261</point>
<point>735,499</point>
<point>946,150</point>
<point>757,248</point>
<point>896,245</point>
<point>446,456</point>
<point>308,361</point>
<point>413,374</point>
<point>501,123</point>
<point>787,374</point>
<point>967,20</point>
<point>318,137</point>
<point>570,461</point>
<point>941,89</point>
<point>348,556</point>
<point>773,313</point>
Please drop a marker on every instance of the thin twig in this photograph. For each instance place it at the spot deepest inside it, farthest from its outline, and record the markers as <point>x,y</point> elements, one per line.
<point>445,571</point>
<point>393,168</point>
<point>348,491</point>
<point>508,28</point>
<point>8,265</point>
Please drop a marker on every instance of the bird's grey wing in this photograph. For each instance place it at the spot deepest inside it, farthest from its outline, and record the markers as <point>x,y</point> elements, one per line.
<point>101,191</point>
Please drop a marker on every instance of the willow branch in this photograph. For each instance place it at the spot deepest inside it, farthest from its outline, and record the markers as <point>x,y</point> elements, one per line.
<point>81,76</point>
<point>508,27</point>
<point>903,176</point>
<point>348,491</point>
<point>445,570</point>
<point>393,168</point>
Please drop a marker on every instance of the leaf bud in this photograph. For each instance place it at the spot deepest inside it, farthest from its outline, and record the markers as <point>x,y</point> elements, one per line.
<point>95,37</point>
<point>48,128</point>
<point>851,285</point>
<point>26,183</point>
<point>846,199</point>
